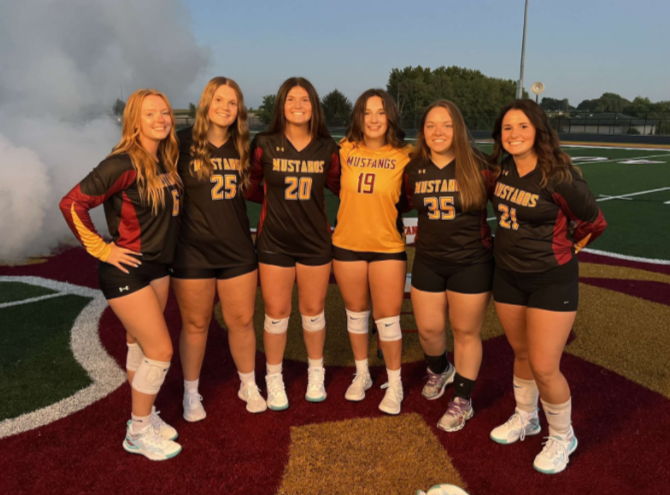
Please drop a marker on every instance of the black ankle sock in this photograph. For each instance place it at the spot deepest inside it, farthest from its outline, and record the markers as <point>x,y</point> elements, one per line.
<point>463,387</point>
<point>437,364</point>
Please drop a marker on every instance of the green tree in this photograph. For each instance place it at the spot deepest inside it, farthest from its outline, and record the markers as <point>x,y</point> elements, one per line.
<point>608,103</point>
<point>555,105</point>
<point>266,109</point>
<point>336,109</point>
<point>118,107</point>
<point>478,96</point>
<point>192,109</point>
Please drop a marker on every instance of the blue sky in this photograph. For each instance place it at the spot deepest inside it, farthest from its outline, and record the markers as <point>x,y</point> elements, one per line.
<point>579,49</point>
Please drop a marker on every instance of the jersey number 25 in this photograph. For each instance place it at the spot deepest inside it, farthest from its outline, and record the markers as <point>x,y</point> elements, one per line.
<point>225,186</point>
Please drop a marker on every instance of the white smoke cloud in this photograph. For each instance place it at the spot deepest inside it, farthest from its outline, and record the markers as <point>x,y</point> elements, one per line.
<point>63,66</point>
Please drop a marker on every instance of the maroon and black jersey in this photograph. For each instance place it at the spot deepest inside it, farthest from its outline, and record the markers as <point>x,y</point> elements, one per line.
<point>214,229</point>
<point>540,228</point>
<point>130,220</point>
<point>446,234</point>
<point>293,218</point>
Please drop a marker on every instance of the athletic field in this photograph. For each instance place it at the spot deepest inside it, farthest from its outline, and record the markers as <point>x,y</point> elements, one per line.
<point>65,400</point>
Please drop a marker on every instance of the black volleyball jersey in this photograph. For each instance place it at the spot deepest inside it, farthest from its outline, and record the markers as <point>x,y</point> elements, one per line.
<point>445,232</point>
<point>130,221</point>
<point>293,217</point>
<point>214,229</point>
<point>540,228</point>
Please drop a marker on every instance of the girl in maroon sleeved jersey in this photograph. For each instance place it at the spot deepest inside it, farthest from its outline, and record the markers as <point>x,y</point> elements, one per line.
<point>545,214</point>
<point>448,183</point>
<point>296,159</point>
<point>139,186</point>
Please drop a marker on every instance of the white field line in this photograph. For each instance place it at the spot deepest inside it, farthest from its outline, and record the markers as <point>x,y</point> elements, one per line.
<point>627,258</point>
<point>609,147</point>
<point>89,352</point>
<point>667,155</point>
<point>31,300</point>
<point>626,196</point>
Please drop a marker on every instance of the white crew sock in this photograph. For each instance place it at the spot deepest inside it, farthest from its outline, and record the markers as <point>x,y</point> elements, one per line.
<point>247,378</point>
<point>315,363</point>
<point>191,387</point>
<point>139,422</point>
<point>393,375</point>
<point>558,417</point>
<point>362,366</point>
<point>273,368</point>
<point>526,395</point>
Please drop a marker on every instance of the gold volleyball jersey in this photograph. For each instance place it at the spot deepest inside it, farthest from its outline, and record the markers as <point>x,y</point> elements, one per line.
<point>369,218</point>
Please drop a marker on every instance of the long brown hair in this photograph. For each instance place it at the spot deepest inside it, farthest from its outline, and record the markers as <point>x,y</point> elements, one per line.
<point>238,130</point>
<point>149,184</point>
<point>395,136</point>
<point>551,161</point>
<point>468,163</point>
<point>317,124</point>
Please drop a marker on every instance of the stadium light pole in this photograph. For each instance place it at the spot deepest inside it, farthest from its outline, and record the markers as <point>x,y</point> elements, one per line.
<point>519,87</point>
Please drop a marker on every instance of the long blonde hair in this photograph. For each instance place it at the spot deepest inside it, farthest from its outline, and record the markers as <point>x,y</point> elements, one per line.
<point>239,132</point>
<point>468,163</point>
<point>149,182</point>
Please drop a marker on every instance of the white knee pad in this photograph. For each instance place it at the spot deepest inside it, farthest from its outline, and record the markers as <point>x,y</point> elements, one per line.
<point>150,375</point>
<point>134,356</point>
<point>358,322</point>
<point>389,329</point>
<point>314,323</point>
<point>276,326</point>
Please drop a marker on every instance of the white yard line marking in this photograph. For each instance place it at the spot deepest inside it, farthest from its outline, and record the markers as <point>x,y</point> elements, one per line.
<point>87,349</point>
<point>31,300</point>
<point>622,159</point>
<point>625,196</point>
<point>627,258</point>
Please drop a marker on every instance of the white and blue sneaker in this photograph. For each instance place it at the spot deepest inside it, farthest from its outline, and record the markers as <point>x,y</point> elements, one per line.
<point>151,444</point>
<point>193,410</point>
<point>277,399</point>
<point>555,455</point>
<point>316,391</point>
<point>161,426</point>
<point>517,427</point>
<point>443,489</point>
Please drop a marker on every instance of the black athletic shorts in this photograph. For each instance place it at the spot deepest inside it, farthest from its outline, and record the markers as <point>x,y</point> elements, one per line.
<point>287,261</point>
<point>554,290</point>
<point>114,283</point>
<point>431,276</point>
<point>206,273</point>
<point>345,255</point>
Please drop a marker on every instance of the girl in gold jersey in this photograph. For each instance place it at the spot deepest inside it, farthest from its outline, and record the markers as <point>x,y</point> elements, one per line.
<point>369,242</point>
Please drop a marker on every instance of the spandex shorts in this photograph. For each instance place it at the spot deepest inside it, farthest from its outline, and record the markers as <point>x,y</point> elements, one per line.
<point>286,261</point>
<point>554,290</point>
<point>345,255</point>
<point>206,273</point>
<point>114,283</point>
<point>431,276</point>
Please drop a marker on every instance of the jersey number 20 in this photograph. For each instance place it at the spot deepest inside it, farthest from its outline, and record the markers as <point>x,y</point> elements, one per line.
<point>298,188</point>
<point>225,186</point>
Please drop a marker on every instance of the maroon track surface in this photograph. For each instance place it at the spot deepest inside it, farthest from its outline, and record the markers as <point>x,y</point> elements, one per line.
<point>623,428</point>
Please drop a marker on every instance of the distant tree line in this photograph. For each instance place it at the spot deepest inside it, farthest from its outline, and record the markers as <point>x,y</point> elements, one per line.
<point>479,97</point>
